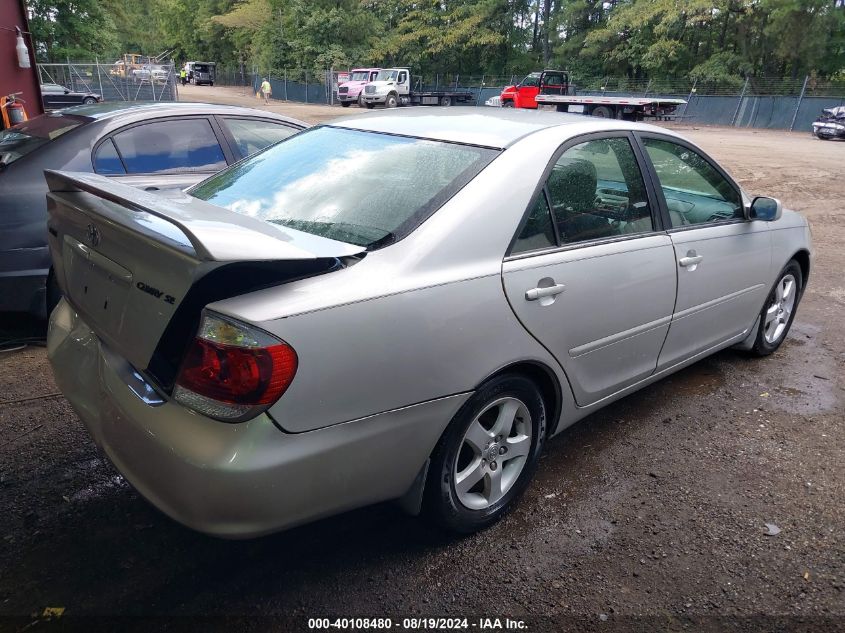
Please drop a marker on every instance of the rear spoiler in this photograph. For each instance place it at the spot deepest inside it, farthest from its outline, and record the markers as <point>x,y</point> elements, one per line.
<point>213,233</point>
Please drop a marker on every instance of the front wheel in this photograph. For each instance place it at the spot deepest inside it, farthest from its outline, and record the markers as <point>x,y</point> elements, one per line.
<point>391,101</point>
<point>344,104</point>
<point>369,105</point>
<point>361,100</point>
<point>507,104</point>
<point>89,100</point>
<point>779,310</point>
<point>487,456</point>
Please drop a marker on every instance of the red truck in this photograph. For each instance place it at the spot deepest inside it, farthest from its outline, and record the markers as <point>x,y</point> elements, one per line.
<point>551,88</point>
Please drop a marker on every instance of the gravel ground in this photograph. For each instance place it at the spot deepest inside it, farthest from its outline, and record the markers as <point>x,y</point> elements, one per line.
<point>649,515</point>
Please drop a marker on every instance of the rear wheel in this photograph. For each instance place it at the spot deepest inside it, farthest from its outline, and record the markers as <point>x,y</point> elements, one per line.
<point>391,101</point>
<point>445,101</point>
<point>779,310</point>
<point>487,456</point>
<point>602,112</point>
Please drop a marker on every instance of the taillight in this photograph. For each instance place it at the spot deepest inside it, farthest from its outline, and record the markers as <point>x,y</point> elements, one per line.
<point>233,371</point>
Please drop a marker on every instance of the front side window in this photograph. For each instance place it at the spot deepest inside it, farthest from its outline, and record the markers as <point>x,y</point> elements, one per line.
<point>695,192</point>
<point>164,147</point>
<point>530,80</point>
<point>363,188</point>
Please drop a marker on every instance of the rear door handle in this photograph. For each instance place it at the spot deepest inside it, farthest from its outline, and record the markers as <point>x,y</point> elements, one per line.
<point>539,293</point>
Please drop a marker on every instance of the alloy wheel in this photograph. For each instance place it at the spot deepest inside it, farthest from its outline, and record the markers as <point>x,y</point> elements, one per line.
<point>776,317</point>
<point>493,453</point>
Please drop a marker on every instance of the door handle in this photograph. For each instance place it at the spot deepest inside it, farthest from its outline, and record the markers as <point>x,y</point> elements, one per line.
<point>539,293</point>
<point>691,260</point>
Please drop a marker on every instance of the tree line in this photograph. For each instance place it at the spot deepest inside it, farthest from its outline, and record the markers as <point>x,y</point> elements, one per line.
<point>715,40</point>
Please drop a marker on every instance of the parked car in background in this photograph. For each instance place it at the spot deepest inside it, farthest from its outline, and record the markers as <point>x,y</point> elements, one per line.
<point>152,146</point>
<point>401,306</point>
<point>831,124</point>
<point>56,96</point>
<point>350,91</point>
<point>152,72</point>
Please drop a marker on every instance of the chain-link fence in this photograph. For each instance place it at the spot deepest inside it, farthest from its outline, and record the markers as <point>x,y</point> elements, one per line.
<point>782,103</point>
<point>115,82</point>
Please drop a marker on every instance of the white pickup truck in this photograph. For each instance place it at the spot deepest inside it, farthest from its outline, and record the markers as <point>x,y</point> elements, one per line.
<point>392,87</point>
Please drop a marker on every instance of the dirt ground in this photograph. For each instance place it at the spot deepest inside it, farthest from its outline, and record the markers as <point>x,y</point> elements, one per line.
<point>648,515</point>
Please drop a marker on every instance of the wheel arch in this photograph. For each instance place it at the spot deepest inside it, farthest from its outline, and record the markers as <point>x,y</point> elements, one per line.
<point>547,382</point>
<point>803,258</point>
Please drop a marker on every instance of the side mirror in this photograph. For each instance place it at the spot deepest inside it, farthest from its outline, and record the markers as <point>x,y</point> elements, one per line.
<point>765,209</point>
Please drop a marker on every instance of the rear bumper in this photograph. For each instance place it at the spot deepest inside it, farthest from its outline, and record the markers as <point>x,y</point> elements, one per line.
<point>237,480</point>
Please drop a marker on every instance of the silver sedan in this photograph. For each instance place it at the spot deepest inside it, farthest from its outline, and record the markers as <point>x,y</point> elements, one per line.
<point>404,305</point>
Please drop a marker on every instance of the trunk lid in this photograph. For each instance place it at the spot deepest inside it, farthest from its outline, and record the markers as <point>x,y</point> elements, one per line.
<point>140,267</point>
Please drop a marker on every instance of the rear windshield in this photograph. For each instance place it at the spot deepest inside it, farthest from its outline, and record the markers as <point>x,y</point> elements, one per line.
<point>23,138</point>
<point>200,68</point>
<point>363,188</point>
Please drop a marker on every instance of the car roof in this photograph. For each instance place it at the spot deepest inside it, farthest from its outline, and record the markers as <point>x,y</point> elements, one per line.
<point>140,110</point>
<point>487,126</point>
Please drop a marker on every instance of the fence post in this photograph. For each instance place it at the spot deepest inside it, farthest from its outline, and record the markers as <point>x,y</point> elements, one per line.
<point>306,86</point>
<point>457,79</point>
<point>330,85</point>
<point>480,90</point>
<point>100,79</point>
<point>286,84</point>
<point>798,105</point>
<point>739,103</point>
<point>691,93</point>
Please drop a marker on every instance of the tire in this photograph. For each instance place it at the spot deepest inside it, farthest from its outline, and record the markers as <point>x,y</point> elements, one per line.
<point>89,100</point>
<point>603,112</point>
<point>779,309</point>
<point>361,99</point>
<point>54,294</point>
<point>481,457</point>
<point>211,83</point>
<point>345,104</point>
<point>445,101</point>
<point>507,104</point>
<point>370,106</point>
<point>391,101</point>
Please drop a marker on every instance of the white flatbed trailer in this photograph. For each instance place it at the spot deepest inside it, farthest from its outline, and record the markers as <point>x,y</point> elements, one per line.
<point>612,107</point>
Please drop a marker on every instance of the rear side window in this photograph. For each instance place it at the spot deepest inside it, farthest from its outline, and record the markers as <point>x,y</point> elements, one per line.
<point>363,188</point>
<point>163,147</point>
<point>107,161</point>
<point>251,135</point>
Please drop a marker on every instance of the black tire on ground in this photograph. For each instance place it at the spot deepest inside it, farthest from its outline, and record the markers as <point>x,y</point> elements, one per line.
<point>89,100</point>
<point>54,294</point>
<point>361,99</point>
<point>762,347</point>
<point>602,112</point>
<point>345,104</point>
<point>441,503</point>
<point>507,104</point>
<point>445,101</point>
<point>392,101</point>
<point>369,105</point>
<point>210,83</point>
